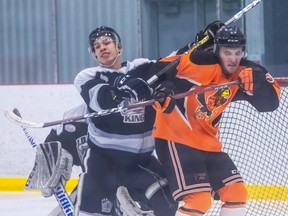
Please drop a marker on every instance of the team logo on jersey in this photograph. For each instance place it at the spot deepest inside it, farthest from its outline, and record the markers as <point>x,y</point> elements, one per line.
<point>82,146</point>
<point>200,177</point>
<point>70,128</point>
<point>235,172</point>
<point>136,115</point>
<point>212,102</point>
<point>269,78</point>
<point>106,205</point>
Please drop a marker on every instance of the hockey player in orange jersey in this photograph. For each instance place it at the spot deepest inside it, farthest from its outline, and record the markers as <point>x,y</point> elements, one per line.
<point>187,141</point>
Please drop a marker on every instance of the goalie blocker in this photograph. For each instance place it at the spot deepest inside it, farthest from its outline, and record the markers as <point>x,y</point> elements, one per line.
<point>53,164</point>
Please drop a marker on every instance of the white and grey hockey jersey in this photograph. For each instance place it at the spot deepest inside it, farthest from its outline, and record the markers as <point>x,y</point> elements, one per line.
<point>127,131</point>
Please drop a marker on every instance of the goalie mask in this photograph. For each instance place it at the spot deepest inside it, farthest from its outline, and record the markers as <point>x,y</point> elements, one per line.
<point>104,31</point>
<point>229,36</point>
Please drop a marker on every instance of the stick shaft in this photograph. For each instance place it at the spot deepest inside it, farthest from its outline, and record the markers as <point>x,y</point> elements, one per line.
<point>233,19</point>
<point>167,68</point>
<point>243,11</point>
<point>25,130</point>
<point>282,81</point>
<point>25,123</point>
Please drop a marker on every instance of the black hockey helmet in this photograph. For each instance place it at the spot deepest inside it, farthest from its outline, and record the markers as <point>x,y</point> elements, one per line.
<point>229,36</point>
<point>104,31</point>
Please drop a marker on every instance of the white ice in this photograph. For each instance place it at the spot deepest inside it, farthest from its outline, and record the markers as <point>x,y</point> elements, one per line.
<point>25,204</point>
<point>33,204</point>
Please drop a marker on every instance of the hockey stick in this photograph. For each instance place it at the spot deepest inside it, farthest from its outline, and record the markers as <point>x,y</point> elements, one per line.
<point>233,19</point>
<point>59,192</point>
<point>167,68</point>
<point>282,81</point>
<point>25,123</point>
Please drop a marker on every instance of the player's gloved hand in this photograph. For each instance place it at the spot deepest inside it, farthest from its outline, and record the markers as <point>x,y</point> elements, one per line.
<point>126,86</point>
<point>253,78</point>
<point>162,94</point>
<point>167,107</point>
<point>210,30</point>
<point>247,82</point>
<point>119,96</point>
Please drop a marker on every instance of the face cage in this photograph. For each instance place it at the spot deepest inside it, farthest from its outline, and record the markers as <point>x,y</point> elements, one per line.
<point>216,48</point>
<point>115,37</point>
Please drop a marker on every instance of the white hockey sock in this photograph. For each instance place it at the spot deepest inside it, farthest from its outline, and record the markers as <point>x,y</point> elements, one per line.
<point>232,211</point>
<point>178,213</point>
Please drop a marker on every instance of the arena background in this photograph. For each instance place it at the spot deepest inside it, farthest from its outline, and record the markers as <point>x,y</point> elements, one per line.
<point>44,45</point>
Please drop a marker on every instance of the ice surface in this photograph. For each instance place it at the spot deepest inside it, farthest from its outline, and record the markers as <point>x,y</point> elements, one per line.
<point>26,203</point>
<point>33,204</point>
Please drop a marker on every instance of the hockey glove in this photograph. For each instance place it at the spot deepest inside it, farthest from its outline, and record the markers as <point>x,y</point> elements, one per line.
<point>131,87</point>
<point>246,79</point>
<point>118,96</point>
<point>162,94</point>
<point>167,107</point>
<point>211,31</point>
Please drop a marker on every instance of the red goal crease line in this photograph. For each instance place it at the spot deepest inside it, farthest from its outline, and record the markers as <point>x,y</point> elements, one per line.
<point>256,192</point>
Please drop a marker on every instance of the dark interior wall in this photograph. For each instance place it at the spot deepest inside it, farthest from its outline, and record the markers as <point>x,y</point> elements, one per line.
<point>168,25</point>
<point>276,34</point>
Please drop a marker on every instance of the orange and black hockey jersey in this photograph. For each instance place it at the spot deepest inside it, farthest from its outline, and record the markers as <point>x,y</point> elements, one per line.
<point>195,119</point>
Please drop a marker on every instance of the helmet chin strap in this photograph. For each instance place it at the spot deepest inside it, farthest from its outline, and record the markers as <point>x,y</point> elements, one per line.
<point>112,64</point>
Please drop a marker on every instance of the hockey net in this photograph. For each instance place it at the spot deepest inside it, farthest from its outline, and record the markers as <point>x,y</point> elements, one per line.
<point>258,144</point>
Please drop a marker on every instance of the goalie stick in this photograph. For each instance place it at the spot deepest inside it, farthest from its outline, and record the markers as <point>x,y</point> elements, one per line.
<point>59,192</point>
<point>233,19</point>
<point>282,81</point>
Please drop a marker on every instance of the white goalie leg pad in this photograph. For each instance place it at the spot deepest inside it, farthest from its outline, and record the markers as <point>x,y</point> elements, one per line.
<point>128,206</point>
<point>52,165</point>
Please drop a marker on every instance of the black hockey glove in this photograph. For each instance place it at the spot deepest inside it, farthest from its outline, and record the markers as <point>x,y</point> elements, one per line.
<point>162,94</point>
<point>211,31</point>
<point>131,87</point>
<point>163,90</point>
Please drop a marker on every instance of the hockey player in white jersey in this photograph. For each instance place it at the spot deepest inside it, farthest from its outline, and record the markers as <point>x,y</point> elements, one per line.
<point>120,144</point>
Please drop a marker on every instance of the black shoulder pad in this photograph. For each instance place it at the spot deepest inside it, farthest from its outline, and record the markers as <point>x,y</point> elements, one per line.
<point>248,63</point>
<point>201,57</point>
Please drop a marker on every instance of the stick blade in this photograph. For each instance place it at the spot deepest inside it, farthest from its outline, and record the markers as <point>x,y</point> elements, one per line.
<point>20,121</point>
